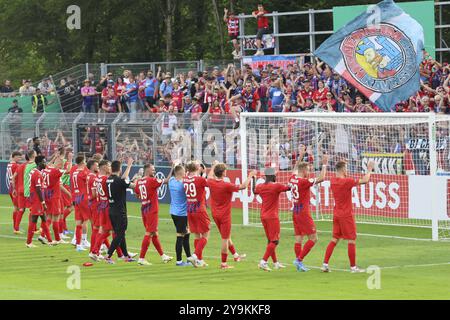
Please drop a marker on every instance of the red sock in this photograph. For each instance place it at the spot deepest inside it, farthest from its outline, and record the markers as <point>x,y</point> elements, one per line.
<point>46,231</point>
<point>306,249</point>
<point>94,236</point>
<point>42,227</point>
<point>106,242</point>
<point>274,255</point>
<point>61,225</point>
<point>144,246</point>
<point>56,230</point>
<point>196,243</point>
<point>329,251</point>
<point>157,244</point>
<point>232,249</point>
<point>18,219</point>
<point>31,228</point>
<point>14,219</point>
<point>269,251</point>
<point>199,249</point>
<point>224,257</point>
<point>298,249</point>
<point>95,247</point>
<point>352,254</point>
<point>78,233</point>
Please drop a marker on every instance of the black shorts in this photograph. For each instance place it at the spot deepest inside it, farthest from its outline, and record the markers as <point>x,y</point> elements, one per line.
<point>180,223</point>
<point>261,32</point>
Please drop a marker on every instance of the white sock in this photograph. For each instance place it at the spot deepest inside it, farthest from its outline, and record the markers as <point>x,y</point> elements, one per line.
<point>84,237</point>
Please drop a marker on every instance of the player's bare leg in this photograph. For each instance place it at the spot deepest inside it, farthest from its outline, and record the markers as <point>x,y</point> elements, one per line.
<point>333,243</point>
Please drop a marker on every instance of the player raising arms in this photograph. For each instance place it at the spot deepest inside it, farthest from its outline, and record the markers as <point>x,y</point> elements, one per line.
<point>269,191</point>
<point>221,194</point>
<point>52,179</point>
<point>66,199</point>
<point>80,198</point>
<point>303,223</point>
<point>36,200</point>
<point>198,219</point>
<point>344,226</point>
<point>146,190</point>
<point>16,157</point>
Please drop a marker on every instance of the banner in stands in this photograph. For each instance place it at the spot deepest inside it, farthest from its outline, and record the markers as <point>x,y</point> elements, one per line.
<point>268,42</point>
<point>385,163</point>
<point>276,61</point>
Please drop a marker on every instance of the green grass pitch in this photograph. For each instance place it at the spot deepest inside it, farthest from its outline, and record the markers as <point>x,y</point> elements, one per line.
<point>410,269</point>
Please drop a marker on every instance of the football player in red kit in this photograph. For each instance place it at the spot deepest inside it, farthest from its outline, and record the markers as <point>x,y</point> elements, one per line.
<point>304,225</point>
<point>91,182</point>
<point>198,219</point>
<point>146,190</point>
<point>80,198</point>
<point>16,157</point>
<point>344,226</point>
<point>221,194</point>
<point>18,179</point>
<point>66,198</point>
<point>36,200</point>
<point>269,191</point>
<point>52,180</point>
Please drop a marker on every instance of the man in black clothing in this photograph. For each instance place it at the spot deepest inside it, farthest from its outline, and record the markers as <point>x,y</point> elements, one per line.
<point>37,145</point>
<point>117,186</point>
<point>15,120</point>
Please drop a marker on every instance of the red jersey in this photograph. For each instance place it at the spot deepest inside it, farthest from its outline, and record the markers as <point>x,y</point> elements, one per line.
<point>269,193</point>
<point>250,98</point>
<point>221,194</point>
<point>91,186</point>
<point>307,94</point>
<point>263,21</point>
<point>194,187</point>
<point>35,181</point>
<point>301,194</point>
<point>233,27</point>
<point>177,98</point>
<point>20,176</point>
<point>102,190</point>
<point>342,193</point>
<point>320,96</point>
<point>52,181</point>
<point>78,182</point>
<point>147,191</point>
<point>10,170</point>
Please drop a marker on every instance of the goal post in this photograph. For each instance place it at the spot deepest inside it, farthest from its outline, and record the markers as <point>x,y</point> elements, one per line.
<point>410,185</point>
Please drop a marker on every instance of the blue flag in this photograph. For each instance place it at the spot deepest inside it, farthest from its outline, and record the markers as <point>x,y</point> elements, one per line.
<point>379,55</point>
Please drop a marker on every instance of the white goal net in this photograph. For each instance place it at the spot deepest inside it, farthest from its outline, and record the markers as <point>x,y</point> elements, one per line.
<point>410,184</point>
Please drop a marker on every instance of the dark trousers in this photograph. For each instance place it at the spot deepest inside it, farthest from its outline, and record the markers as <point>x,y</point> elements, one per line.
<point>119,222</point>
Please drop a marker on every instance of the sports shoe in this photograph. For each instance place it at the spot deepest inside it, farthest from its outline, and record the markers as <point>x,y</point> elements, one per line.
<point>17,232</point>
<point>278,266</point>
<point>93,256</point>
<point>200,264</point>
<point>165,258</point>
<point>30,245</point>
<point>109,261</point>
<point>129,259</point>
<point>299,265</point>
<point>143,262</point>
<point>183,264</point>
<point>240,257</point>
<point>80,248</point>
<point>85,244</point>
<point>68,232</point>
<point>192,259</point>
<point>225,266</point>
<point>63,236</point>
<point>100,257</point>
<point>356,269</point>
<point>53,243</point>
<point>325,268</point>
<point>74,241</point>
<point>42,240</point>
<point>264,266</point>
<point>132,255</point>
<point>62,242</point>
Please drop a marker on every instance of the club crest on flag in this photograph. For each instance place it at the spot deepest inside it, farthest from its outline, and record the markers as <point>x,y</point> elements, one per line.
<point>381,59</point>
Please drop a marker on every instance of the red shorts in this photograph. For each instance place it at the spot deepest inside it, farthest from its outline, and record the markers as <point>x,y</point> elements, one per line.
<point>36,209</point>
<point>95,217</point>
<point>82,212</point>
<point>199,222</point>
<point>14,200</point>
<point>21,201</point>
<point>54,206</point>
<point>150,221</point>
<point>66,200</point>
<point>103,214</point>
<point>224,226</point>
<point>344,228</point>
<point>303,224</point>
<point>272,228</point>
